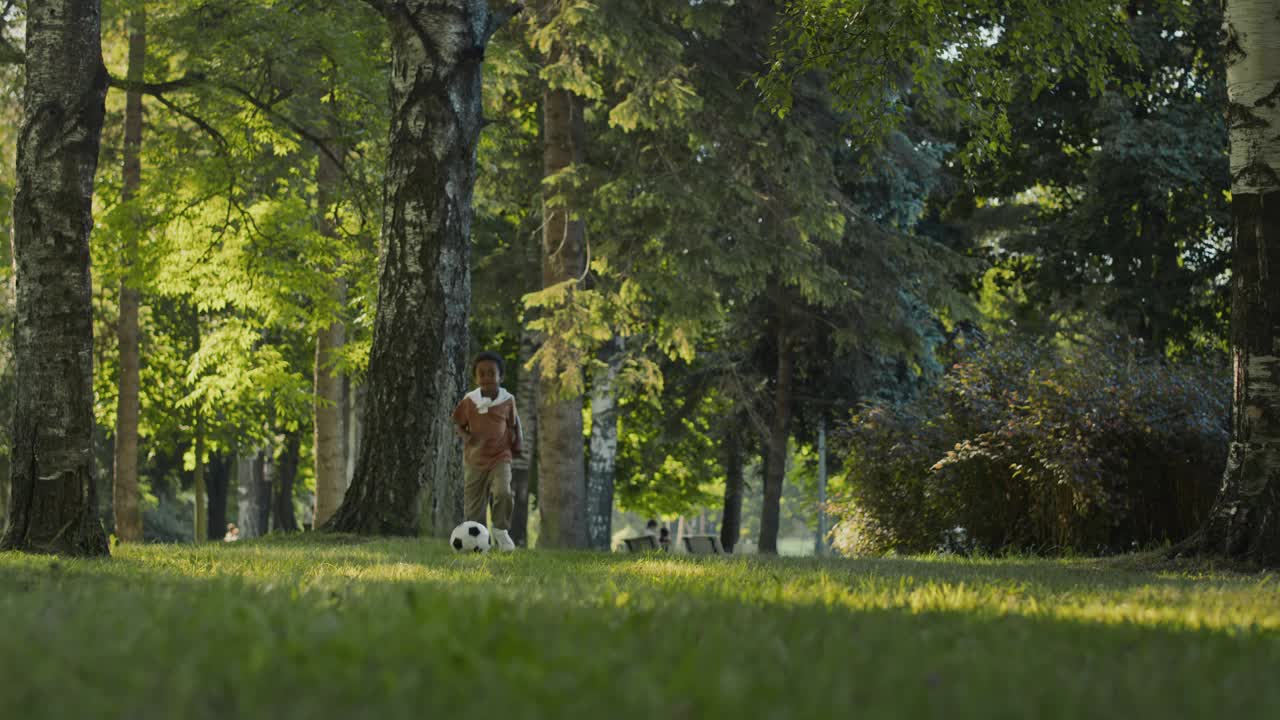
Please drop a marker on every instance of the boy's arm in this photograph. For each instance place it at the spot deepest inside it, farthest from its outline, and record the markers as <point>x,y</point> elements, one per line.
<point>461,425</point>
<point>517,432</point>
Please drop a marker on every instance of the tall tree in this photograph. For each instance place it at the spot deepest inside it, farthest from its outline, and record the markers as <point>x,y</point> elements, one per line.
<point>54,484</point>
<point>330,466</point>
<point>1245,519</point>
<point>409,459</point>
<point>128,519</point>
<point>561,470</point>
<point>604,446</point>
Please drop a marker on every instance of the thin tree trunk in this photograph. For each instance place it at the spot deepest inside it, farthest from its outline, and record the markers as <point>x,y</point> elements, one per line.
<point>604,448</point>
<point>780,431</point>
<point>54,484</point>
<point>1245,519</point>
<point>409,458</point>
<point>254,495</point>
<point>201,514</point>
<point>527,393</point>
<point>128,519</point>
<point>330,466</point>
<point>731,518</point>
<point>561,470</point>
<point>284,518</point>
<point>218,482</point>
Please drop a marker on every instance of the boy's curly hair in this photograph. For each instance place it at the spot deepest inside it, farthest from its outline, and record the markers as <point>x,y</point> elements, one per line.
<point>492,357</point>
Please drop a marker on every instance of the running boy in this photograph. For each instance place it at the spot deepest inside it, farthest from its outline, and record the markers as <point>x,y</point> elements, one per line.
<point>487,422</point>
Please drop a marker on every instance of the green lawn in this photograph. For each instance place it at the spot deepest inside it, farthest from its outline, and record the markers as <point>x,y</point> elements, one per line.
<point>301,628</point>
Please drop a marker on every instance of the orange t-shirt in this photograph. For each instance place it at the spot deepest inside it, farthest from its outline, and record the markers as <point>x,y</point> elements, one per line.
<point>494,427</point>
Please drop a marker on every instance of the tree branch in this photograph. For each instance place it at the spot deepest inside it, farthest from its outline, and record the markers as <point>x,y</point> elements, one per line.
<point>288,122</point>
<point>382,6</point>
<point>156,89</point>
<point>10,54</point>
<point>498,19</point>
<point>206,127</point>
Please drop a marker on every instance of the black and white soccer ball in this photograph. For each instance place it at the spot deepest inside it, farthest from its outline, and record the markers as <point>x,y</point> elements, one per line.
<point>470,537</point>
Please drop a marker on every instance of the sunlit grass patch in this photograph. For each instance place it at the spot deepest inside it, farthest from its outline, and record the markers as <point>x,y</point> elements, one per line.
<point>408,629</point>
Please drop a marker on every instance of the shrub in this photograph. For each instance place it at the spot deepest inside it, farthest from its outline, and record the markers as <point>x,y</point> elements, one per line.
<point>1030,449</point>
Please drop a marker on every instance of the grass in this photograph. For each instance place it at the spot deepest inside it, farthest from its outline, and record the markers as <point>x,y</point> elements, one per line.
<point>333,628</point>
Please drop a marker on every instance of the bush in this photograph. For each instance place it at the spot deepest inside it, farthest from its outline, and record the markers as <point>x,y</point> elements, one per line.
<point>1023,448</point>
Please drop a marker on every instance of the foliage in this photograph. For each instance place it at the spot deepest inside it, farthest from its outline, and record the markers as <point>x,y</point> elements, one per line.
<point>1114,204</point>
<point>1032,448</point>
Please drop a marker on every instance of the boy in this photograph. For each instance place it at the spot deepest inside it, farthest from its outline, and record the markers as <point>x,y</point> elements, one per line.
<point>486,420</point>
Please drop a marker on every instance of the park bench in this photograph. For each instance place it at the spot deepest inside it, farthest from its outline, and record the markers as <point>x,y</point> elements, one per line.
<point>703,545</point>
<point>642,543</point>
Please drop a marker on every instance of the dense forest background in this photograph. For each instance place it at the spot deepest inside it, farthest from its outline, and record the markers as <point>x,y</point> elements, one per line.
<point>996,298</point>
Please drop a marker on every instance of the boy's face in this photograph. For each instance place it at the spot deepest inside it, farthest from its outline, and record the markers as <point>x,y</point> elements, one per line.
<point>487,375</point>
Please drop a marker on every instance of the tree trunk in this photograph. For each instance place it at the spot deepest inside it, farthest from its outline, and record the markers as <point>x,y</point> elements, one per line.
<point>409,458</point>
<point>780,431</point>
<point>330,466</point>
<point>218,482</point>
<point>201,515</point>
<point>527,396</point>
<point>1245,520</point>
<point>561,471</point>
<point>54,493</point>
<point>128,519</point>
<point>604,448</point>
<point>731,519</point>
<point>254,493</point>
<point>284,518</point>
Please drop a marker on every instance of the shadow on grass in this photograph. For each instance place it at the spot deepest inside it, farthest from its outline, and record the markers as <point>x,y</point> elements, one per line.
<point>439,633</point>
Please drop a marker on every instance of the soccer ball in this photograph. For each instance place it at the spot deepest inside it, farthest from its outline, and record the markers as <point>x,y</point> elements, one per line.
<point>470,536</point>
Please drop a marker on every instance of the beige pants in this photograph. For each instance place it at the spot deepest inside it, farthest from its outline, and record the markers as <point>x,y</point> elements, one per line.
<point>480,487</point>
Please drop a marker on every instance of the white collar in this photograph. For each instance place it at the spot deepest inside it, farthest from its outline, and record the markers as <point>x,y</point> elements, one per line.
<point>483,403</point>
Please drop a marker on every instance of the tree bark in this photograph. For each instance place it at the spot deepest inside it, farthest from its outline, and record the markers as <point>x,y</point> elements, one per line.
<point>54,493</point>
<point>330,465</point>
<point>128,519</point>
<point>218,482</point>
<point>254,493</point>
<point>1245,520</point>
<point>527,393</point>
<point>283,516</point>
<point>780,431</point>
<point>409,459</point>
<point>201,514</point>
<point>604,448</point>
<point>731,518</point>
<point>561,470</point>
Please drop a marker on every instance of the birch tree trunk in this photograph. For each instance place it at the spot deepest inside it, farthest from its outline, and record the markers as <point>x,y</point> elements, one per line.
<point>1245,519</point>
<point>409,459</point>
<point>604,448</point>
<point>330,464</point>
<point>54,493</point>
<point>561,470</point>
<point>128,518</point>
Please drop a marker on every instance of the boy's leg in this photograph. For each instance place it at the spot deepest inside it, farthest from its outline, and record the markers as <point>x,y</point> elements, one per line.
<point>475,493</point>
<point>503,500</point>
<point>503,504</point>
